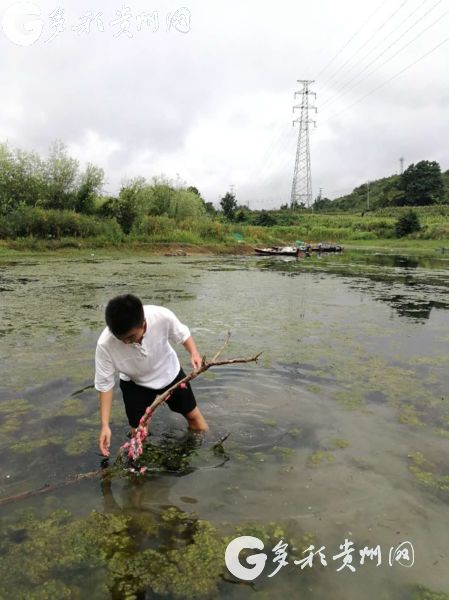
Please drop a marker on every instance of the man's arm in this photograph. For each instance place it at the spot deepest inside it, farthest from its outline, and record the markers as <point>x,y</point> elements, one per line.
<point>191,348</point>
<point>104,439</point>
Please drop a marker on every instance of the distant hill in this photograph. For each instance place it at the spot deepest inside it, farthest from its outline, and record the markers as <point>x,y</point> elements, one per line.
<point>383,193</point>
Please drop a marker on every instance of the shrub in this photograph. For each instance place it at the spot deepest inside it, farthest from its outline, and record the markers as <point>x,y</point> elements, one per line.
<point>264,219</point>
<point>407,223</point>
<point>55,224</point>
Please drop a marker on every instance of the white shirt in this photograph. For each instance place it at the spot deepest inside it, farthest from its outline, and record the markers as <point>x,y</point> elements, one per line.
<point>153,363</point>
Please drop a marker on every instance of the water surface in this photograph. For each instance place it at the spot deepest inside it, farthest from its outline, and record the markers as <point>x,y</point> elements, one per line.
<point>341,431</point>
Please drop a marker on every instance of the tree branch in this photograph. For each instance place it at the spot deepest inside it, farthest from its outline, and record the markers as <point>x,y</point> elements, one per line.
<point>136,441</point>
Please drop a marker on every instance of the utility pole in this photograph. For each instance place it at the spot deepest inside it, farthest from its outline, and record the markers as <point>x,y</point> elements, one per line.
<point>302,178</point>
<point>401,161</point>
<point>367,196</point>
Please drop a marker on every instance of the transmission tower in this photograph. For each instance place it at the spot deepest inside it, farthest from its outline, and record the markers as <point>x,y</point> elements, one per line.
<point>302,178</point>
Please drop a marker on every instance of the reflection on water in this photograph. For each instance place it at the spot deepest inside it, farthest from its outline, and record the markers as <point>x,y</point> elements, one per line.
<point>340,432</point>
<point>424,281</point>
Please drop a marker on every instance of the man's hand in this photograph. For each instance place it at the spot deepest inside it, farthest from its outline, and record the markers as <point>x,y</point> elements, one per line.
<point>104,440</point>
<point>196,360</point>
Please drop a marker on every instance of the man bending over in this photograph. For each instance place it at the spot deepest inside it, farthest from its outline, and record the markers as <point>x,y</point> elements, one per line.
<point>136,344</point>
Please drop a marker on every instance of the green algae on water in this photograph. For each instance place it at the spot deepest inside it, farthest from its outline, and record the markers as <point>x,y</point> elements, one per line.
<point>81,442</point>
<point>339,443</point>
<point>178,554</point>
<point>425,473</point>
<point>27,445</point>
<point>408,415</point>
<point>16,405</point>
<point>72,407</point>
<point>423,593</point>
<point>320,457</point>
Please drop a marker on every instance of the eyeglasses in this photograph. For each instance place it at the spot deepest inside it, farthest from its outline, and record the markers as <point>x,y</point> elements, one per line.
<point>136,335</point>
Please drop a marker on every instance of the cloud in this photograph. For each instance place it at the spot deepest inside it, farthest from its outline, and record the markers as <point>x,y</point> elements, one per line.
<point>215,104</point>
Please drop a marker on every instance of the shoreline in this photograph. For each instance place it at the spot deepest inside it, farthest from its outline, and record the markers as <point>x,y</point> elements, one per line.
<point>35,247</point>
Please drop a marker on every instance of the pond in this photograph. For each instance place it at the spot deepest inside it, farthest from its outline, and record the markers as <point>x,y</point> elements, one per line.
<point>338,436</point>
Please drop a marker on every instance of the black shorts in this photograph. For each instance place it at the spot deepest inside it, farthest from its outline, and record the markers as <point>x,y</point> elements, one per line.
<point>137,398</point>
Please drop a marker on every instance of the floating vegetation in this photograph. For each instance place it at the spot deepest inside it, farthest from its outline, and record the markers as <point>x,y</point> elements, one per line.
<point>178,555</point>
<point>313,388</point>
<point>319,457</point>
<point>16,405</point>
<point>355,338</point>
<point>426,473</point>
<point>81,442</point>
<point>351,399</point>
<point>72,407</point>
<point>339,443</point>
<point>409,415</point>
<point>26,445</point>
<point>424,593</point>
<point>284,452</point>
<point>11,424</point>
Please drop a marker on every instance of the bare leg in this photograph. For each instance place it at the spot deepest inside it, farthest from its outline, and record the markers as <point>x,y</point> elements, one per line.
<point>196,420</point>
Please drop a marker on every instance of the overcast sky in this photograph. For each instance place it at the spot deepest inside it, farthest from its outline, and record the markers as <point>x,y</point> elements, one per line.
<point>204,89</point>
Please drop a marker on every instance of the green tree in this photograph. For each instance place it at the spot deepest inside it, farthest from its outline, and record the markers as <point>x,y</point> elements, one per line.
<point>322,204</point>
<point>184,203</point>
<point>210,208</point>
<point>22,179</point>
<point>228,205</point>
<point>60,173</point>
<point>161,193</point>
<point>89,185</point>
<point>131,203</point>
<point>194,190</point>
<point>242,214</point>
<point>422,184</point>
<point>109,207</point>
<point>265,219</point>
<point>407,223</point>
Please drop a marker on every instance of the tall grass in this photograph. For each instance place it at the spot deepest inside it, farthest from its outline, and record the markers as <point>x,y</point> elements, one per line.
<point>62,228</point>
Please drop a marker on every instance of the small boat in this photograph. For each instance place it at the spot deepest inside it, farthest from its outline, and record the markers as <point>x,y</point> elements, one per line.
<point>279,251</point>
<point>325,248</point>
<point>298,250</point>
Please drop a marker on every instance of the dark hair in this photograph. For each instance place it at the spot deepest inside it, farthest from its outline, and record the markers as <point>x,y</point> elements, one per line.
<point>123,313</point>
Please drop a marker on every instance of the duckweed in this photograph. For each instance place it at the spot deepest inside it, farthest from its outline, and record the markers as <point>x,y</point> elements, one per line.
<point>319,457</point>
<point>424,473</point>
<point>179,555</point>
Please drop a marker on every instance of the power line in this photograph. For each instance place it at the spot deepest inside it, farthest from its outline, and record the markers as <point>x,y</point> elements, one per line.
<point>388,80</point>
<point>381,42</point>
<point>351,38</point>
<point>368,40</point>
<point>276,141</point>
<point>386,49</point>
<point>389,34</point>
<point>270,159</point>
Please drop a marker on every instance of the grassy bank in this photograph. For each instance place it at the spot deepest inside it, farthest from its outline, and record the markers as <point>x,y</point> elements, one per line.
<point>203,235</point>
<point>90,248</point>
